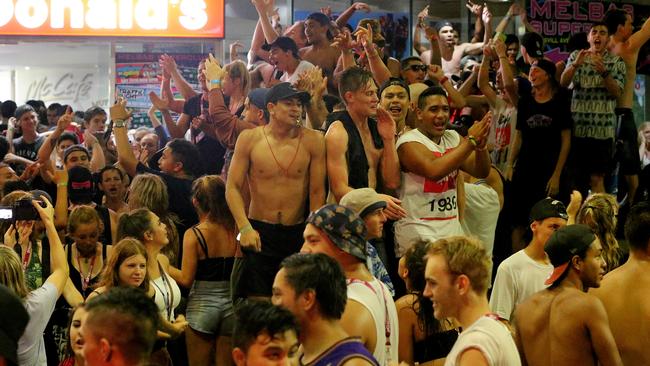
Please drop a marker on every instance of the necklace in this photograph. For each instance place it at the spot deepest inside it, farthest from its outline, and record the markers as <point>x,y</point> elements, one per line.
<point>85,280</point>
<point>285,171</point>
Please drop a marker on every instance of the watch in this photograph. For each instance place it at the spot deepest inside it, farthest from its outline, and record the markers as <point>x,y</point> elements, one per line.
<point>119,123</point>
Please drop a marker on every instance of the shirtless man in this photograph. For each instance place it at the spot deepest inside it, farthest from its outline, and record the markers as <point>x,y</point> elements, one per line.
<point>360,150</point>
<point>624,291</point>
<point>285,166</point>
<point>563,325</point>
<point>320,52</point>
<point>450,52</point>
<point>626,45</point>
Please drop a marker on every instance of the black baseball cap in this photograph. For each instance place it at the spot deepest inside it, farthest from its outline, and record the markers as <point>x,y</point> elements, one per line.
<point>257,97</point>
<point>285,44</point>
<point>283,91</point>
<point>534,44</point>
<point>565,243</point>
<point>546,208</point>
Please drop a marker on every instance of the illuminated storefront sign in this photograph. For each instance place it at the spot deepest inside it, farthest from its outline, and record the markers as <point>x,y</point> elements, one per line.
<point>117,18</point>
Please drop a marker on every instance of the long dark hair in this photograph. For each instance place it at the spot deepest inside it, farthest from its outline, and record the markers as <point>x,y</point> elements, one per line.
<point>209,193</point>
<point>423,308</point>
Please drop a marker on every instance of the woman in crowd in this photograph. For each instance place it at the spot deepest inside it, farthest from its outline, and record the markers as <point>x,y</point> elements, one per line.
<point>149,191</point>
<point>86,255</point>
<point>74,349</point>
<point>208,255</point>
<point>644,144</point>
<point>126,266</point>
<point>235,85</point>
<point>422,338</point>
<point>600,213</point>
<point>35,257</point>
<point>147,227</point>
<point>38,302</point>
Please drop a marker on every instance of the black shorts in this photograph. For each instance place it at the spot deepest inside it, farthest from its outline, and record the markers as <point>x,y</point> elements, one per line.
<point>592,156</point>
<point>627,151</point>
<point>258,269</point>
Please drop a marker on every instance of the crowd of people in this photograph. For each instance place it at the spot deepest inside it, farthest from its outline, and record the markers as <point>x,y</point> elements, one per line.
<point>323,203</point>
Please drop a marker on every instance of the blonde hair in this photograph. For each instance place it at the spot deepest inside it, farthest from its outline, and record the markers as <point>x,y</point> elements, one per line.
<point>84,215</point>
<point>599,212</point>
<point>237,70</point>
<point>11,272</point>
<point>150,191</point>
<point>466,256</point>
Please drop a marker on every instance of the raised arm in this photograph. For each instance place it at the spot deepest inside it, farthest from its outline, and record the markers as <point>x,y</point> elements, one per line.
<point>638,39</point>
<point>378,68</point>
<point>457,100</point>
<point>503,24</point>
<point>256,45</point>
<point>97,160</point>
<point>506,72</point>
<point>345,16</point>
<point>45,152</point>
<point>478,163</point>
<point>59,264</point>
<point>169,65</point>
<point>176,130</point>
<point>484,79</point>
<point>419,27</point>
<point>264,8</point>
<point>389,162</point>
<point>125,155</point>
<point>576,60</point>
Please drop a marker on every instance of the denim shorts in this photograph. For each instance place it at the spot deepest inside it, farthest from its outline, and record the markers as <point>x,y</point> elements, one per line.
<point>209,308</point>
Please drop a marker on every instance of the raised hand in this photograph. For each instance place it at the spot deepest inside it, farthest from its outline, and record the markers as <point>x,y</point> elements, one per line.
<point>65,120</point>
<point>386,125</point>
<point>46,213</point>
<point>158,103</point>
<point>486,15</point>
<point>476,9</point>
<point>423,13</point>
<point>327,11</point>
<point>213,72</point>
<point>343,42</point>
<point>499,48</point>
<point>30,172</point>
<point>361,7</point>
<point>435,72</point>
<point>60,177</point>
<point>118,110</point>
<point>580,58</point>
<point>479,130</point>
<point>234,47</point>
<point>168,65</point>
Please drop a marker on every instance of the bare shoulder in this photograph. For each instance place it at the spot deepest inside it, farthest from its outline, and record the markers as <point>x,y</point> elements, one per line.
<point>163,260</point>
<point>406,302</point>
<point>336,132</point>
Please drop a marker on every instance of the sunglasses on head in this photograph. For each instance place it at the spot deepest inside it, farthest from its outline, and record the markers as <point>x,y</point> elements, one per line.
<point>417,68</point>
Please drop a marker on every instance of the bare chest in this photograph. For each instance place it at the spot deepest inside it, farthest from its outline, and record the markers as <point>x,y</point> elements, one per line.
<point>274,159</point>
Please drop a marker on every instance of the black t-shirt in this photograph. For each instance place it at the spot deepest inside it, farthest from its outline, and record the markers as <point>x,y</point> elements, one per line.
<point>28,150</point>
<point>180,193</point>
<point>212,151</point>
<point>541,125</point>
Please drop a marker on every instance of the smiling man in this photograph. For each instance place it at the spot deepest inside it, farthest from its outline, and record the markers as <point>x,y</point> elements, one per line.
<point>564,325</point>
<point>284,55</point>
<point>395,97</point>
<point>457,277</point>
<point>430,157</point>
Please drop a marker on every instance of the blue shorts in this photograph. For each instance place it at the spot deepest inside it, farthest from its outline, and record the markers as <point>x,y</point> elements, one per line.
<point>209,308</point>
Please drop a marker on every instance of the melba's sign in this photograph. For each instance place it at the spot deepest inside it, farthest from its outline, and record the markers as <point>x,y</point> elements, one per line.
<point>133,18</point>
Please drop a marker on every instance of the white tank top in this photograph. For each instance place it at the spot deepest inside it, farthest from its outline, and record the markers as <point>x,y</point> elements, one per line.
<point>167,295</point>
<point>431,206</point>
<point>375,297</point>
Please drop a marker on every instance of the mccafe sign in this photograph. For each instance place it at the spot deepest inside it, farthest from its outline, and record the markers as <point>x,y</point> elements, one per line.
<point>117,18</point>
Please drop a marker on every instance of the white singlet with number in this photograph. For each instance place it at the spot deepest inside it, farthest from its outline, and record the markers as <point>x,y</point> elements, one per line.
<point>431,206</point>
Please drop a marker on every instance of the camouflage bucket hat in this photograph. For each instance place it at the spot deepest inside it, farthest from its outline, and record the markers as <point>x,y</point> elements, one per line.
<point>343,227</point>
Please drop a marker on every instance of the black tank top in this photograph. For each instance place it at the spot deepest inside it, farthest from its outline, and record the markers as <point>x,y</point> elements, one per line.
<point>75,276</point>
<point>211,269</point>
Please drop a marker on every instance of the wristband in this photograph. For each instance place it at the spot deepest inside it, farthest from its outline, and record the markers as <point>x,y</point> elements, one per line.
<point>62,184</point>
<point>472,140</point>
<point>605,74</point>
<point>443,80</point>
<point>246,229</point>
<point>216,81</point>
<point>119,123</point>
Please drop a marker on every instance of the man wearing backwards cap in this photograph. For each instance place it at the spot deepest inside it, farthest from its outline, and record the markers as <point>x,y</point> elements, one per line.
<point>564,325</point>
<point>285,166</point>
<point>284,55</point>
<point>523,273</point>
<point>370,312</point>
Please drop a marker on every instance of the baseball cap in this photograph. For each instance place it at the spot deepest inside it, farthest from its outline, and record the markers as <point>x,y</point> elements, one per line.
<point>395,81</point>
<point>546,208</point>
<point>257,97</point>
<point>442,24</point>
<point>534,44</point>
<point>565,243</point>
<point>12,325</point>
<point>80,185</point>
<point>72,149</point>
<point>343,227</point>
<point>283,91</point>
<point>363,201</point>
<point>285,44</point>
<point>547,66</point>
